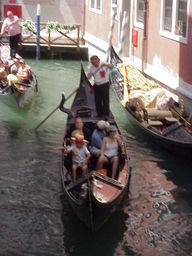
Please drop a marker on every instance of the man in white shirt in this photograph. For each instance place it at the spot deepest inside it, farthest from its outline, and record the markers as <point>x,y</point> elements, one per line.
<point>100,72</point>
<point>11,25</point>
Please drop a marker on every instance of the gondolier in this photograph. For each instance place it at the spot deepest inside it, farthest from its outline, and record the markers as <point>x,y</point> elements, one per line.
<point>100,72</point>
<point>11,24</point>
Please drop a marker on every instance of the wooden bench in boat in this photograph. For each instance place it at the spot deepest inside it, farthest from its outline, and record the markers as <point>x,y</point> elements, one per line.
<point>95,175</point>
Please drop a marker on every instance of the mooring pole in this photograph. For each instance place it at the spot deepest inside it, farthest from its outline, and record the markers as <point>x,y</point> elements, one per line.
<point>38,33</point>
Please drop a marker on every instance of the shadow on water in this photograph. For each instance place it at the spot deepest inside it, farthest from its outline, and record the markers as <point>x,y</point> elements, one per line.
<point>79,240</point>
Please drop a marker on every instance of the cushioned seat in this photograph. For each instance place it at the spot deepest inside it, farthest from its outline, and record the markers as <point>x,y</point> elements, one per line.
<point>171,119</point>
<point>155,114</point>
<point>154,122</point>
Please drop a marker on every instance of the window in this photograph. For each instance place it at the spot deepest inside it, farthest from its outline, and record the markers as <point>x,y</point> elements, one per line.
<point>139,13</point>
<point>95,5</point>
<point>174,17</point>
<point>181,18</point>
<point>114,2</point>
<point>167,21</point>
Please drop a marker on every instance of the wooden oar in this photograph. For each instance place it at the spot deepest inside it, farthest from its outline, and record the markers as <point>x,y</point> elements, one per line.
<point>179,115</point>
<point>53,111</point>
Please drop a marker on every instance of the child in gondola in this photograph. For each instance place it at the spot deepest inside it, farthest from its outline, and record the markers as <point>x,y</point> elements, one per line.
<point>80,155</point>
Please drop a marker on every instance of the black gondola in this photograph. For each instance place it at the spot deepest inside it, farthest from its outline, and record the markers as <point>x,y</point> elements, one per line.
<point>21,95</point>
<point>165,128</point>
<point>94,197</point>
<point>14,97</point>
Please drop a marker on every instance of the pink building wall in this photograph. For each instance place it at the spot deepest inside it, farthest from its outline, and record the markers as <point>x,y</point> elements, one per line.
<point>98,24</point>
<point>173,55</point>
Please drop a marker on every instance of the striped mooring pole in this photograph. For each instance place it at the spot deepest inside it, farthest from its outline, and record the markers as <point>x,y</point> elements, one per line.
<point>113,14</point>
<point>38,32</point>
<point>123,32</point>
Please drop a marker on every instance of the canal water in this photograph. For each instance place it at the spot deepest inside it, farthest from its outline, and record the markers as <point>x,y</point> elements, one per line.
<point>155,217</point>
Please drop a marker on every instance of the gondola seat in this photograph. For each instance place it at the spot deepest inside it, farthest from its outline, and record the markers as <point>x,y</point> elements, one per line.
<point>155,114</point>
<point>154,122</point>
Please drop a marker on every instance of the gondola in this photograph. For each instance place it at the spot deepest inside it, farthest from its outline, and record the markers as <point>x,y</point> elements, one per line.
<point>94,197</point>
<point>16,97</point>
<point>168,128</point>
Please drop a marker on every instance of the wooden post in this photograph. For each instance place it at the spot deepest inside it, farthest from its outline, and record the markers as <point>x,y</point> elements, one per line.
<point>144,48</point>
<point>49,40</point>
<point>78,37</point>
<point>38,33</point>
<point>123,32</point>
<point>113,14</point>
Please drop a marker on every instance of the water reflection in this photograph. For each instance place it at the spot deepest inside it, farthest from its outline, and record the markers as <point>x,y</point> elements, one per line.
<point>159,222</point>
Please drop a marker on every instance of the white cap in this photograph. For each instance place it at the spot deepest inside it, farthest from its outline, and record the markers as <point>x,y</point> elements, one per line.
<point>101,124</point>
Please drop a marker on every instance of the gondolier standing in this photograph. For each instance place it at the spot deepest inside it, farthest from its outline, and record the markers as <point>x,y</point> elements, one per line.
<point>100,72</point>
<point>11,24</point>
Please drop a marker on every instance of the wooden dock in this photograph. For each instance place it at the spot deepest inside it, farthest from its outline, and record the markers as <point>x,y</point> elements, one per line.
<point>56,51</point>
<point>55,44</point>
<point>64,43</point>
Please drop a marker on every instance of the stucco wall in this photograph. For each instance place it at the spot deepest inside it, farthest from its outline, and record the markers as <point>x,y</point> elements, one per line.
<point>63,11</point>
<point>167,60</point>
<point>99,24</point>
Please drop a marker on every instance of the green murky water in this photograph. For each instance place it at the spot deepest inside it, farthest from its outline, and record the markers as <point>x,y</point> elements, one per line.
<point>35,218</point>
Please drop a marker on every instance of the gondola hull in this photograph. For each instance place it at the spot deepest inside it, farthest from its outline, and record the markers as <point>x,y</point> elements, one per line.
<point>173,146</point>
<point>94,197</point>
<point>177,140</point>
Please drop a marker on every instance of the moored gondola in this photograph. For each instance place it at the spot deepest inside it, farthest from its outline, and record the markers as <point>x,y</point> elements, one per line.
<point>95,196</point>
<point>150,109</point>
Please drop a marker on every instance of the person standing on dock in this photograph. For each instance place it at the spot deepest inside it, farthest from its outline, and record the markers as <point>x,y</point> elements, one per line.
<point>11,24</point>
<point>100,72</point>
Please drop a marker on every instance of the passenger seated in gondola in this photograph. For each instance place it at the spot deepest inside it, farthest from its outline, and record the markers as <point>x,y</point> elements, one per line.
<point>3,79</point>
<point>110,150</point>
<point>80,155</point>
<point>97,137</point>
<point>14,80</point>
<point>16,63</point>
<point>79,129</point>
<point>23,71</point>
<point>2,67</point>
